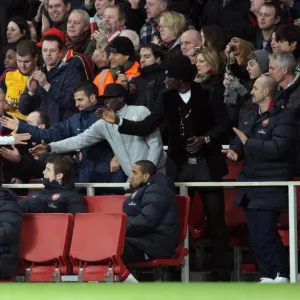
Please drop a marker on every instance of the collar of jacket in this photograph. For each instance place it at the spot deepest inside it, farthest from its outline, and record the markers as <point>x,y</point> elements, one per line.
<point>151,69</point>
<point>90,110</point>
<point>55,185</point>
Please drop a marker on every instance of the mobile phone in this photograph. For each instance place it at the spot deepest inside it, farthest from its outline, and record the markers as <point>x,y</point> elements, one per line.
<point>122,69</point>
<point>197,49</point>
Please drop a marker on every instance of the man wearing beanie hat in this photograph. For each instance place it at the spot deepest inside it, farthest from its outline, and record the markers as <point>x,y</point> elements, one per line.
<point>123,67</point>
<point>196,132</point>
<point>258,63</point>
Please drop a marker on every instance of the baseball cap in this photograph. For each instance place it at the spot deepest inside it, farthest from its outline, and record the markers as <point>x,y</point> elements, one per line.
<point>53,31</point>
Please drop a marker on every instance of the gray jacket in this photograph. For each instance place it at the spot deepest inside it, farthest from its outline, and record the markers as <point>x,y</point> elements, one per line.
<point>127,148</point>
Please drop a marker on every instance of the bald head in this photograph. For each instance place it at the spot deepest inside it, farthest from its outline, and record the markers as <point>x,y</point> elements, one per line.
<point>263,91</point>
<point>188,40</point>
<point>268,82</point>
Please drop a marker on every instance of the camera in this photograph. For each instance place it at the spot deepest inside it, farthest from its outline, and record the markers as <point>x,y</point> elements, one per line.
<point>232,48</point>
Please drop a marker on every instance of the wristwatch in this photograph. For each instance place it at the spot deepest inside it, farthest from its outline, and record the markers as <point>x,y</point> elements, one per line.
<point>207,139</point>
<point>48,148</point>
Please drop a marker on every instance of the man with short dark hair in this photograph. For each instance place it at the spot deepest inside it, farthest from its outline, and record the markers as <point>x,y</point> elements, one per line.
<point>152,211</point>
<point>266,141</point>
<point>73,58</point>
<point>268,17</point>
<point>147,87</point>
<point>50,89</point>
<point>58,12</point>
<point>59,195</point>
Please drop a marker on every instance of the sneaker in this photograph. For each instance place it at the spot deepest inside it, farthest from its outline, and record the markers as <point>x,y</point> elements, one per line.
<point>266,280</point>
<point>279,279</point>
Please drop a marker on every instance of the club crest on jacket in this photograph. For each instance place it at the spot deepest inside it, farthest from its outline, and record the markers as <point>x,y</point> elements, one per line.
<point>55,197</point>
<point>265,122</point>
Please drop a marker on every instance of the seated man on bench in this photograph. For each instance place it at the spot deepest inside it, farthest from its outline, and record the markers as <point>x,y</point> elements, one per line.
<point>59,195</point>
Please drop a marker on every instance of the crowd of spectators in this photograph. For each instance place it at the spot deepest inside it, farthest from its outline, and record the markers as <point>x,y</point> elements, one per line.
<point>110,82</point>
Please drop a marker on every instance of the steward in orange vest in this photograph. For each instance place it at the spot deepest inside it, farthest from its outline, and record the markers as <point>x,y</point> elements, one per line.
<point>121,59</point>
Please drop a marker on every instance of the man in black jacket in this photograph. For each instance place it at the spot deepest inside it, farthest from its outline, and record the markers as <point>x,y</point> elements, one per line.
<point>282,68</point>
<point>10,231</point>
<point>196,129</point>
<point>266,140</point>
<point>153,222</point>
<point>150,83</point>
<point>228,14</point>
<point>59,195</point>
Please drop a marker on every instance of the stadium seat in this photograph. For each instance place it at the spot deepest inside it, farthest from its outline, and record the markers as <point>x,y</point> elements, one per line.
<point>181,252</point>
<point>105,204</point>
<point>233,170</point>
<point>97,245</point>
<point>45,243</point>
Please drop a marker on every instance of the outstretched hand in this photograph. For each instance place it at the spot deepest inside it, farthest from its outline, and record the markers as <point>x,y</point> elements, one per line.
<point>39,149</point>
<point>108,115</point>
<point>10,123</point>
<point>22,138</point>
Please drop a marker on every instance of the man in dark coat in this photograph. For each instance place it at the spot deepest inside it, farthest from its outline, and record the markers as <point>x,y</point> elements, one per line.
<point>196,131</point>
<point>50,89</point>
<point>228,14</point>
<point>10,230</point>
<point>152,211</point>
<point>266,140</point>
<point>59,195</point>
<point>282,68</point>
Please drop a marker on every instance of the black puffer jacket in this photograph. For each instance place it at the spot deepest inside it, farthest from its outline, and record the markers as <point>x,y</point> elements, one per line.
<point>148,85</point>
<point>153,222</point>
<point>269,154</point>
<point>290,97</point>
<point>55,198</point>
<point>10,230</point>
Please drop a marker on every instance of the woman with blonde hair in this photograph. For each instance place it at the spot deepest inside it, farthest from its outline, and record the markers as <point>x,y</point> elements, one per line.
<point>171,27</point>
<point>210,68</point>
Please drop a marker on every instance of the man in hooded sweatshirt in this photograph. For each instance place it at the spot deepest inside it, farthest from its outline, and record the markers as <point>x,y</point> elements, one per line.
<point>10,230</point>
<point>59,195</point>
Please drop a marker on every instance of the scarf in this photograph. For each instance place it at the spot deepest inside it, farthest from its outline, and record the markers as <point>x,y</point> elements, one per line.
<point>114,71</point>
<point>78,44</point>
<point>115,34</point>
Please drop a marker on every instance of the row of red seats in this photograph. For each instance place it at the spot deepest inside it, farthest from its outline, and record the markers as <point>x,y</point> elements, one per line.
<point>89,245</point>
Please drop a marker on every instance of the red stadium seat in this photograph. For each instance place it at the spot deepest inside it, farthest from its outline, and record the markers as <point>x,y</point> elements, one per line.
<point>97,245</point>
<point>181,252</point>
<point>45,242</point>
<point>233,170</point>
<point>104,204</point>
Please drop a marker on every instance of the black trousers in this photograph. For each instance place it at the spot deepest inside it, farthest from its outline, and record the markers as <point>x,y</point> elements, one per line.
<point>132,253</point>
<point>213,201</point>
<point>270,254</point>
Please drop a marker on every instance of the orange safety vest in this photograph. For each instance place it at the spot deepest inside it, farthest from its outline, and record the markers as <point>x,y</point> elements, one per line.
<point>105,77</point>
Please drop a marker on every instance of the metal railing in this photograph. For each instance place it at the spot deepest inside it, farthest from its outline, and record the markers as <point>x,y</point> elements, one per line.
<point>183,186</point>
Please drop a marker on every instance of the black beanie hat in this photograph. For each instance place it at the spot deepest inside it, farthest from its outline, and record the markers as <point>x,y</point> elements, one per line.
<point>122,45</point>
<point>181,68</point>
<point>246,34</point>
